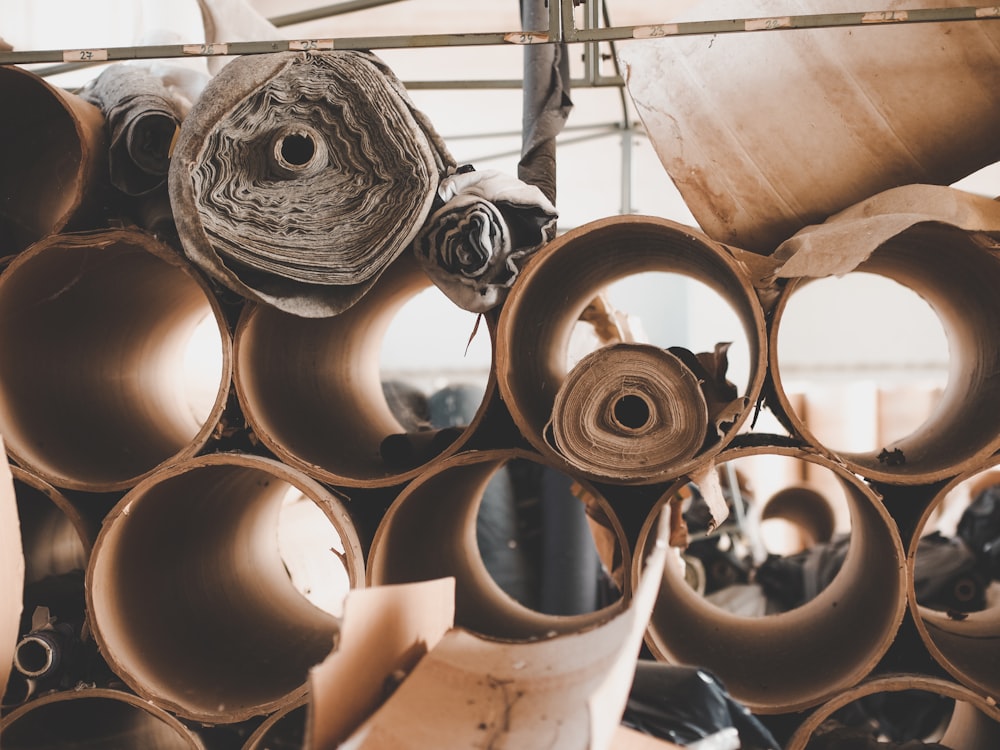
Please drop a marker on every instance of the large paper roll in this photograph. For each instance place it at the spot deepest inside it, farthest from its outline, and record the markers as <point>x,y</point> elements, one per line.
<point>297,178</point>
<point>629,412</point>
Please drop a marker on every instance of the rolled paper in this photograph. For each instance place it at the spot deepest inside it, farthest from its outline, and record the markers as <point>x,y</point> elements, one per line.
<point>473,246</point>
<point>850,112</point>
<point>53,151</point>
<point>298,178</point>
<point>629,413</point>
<point>142,121</point>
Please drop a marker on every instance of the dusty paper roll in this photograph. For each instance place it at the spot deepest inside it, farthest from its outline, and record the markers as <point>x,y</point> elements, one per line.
<point>142,122</point>
<point>311,389</point>
<point>53,151</point>
<point>964,643</point>
<point>629,412</point>
<point>796,659</point>
<point>430,532</point>
<point>95,389</point>
<point>850,112</point>
<point>535,325</point>
<point>96,718</point>
<point>297,178</point>
<point>190,595</point>
<point>974,723</point>
<point>940,243</point>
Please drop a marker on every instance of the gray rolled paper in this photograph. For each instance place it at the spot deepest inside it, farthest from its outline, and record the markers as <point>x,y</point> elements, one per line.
<point>473,246</point>
<point>142,119</point>
<point>297,178</point>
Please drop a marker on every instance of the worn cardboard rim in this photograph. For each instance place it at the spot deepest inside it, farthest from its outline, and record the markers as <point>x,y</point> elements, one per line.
<point>166,542</point>
<point>322,410</point>
<point>770,663</point>
<point>534,325</point>
<point>429,532</point>
<point>108,358</point>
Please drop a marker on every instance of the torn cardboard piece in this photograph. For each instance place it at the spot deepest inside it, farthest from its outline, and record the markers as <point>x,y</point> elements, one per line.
<point>11,569</point>
<point>567,692</point>
<point>847,239</point>
<point>385,631</point>
<point>765,133</point>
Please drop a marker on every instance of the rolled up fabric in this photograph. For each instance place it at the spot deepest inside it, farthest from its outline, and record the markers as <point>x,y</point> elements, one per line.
<point>489,222</point>
<point>629,413</point>
<point>297,178</point>
<point>142,120</point>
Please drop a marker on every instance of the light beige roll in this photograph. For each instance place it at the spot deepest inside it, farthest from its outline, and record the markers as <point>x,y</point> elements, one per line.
<point>629,412</point>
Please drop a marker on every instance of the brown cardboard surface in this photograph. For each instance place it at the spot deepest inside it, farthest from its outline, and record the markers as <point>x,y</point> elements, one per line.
<point>11,569</point>
<point>767,132</point>
<point>386,630</point>
<point>560,693</point>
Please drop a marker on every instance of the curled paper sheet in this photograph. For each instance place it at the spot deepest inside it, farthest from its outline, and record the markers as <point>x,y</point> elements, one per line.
<point>142,121</point>
<point>565,693</point>
<point>472,247</point>
<point>11,569</point>
<point>298,178</point>
<point>848,238</point>
<point>629,412</point>
<point>765,133</point>
<point>385,631</point>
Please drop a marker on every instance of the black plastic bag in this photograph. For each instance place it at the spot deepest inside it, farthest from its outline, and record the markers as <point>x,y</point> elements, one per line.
<point>687,704</point>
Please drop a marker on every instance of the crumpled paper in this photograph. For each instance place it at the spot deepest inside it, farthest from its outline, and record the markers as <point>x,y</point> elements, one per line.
<point>486,226</point>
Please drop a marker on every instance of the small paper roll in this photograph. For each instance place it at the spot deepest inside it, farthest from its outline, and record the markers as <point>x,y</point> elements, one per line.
<point>629,412</point>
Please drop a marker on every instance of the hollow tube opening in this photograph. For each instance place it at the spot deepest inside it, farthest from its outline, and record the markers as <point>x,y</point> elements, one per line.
<point>772,663</point>
<point>94,333</point>
<point>188,587</point>
<point>94,718</point>
<point>959,286</point>
<point>440,526</point>
<point>536,329</point>
<point>312,390</point>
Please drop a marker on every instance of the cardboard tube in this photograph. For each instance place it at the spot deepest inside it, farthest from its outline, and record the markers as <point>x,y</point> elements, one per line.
<point>429,532</point>
<point>803,507</point>
<point>53,151</point>
<point>284,728</point>
<point>311,389</point>
<point>629,412</point>
<point>94,328</point>
<point>95,718</point>
<point>974,722</point>
<point>54,534</point>
<point>963,643</point>
<point>957,276</point>
<point>189,597</point>
<point>533,332</point>
<point>796,659</point>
